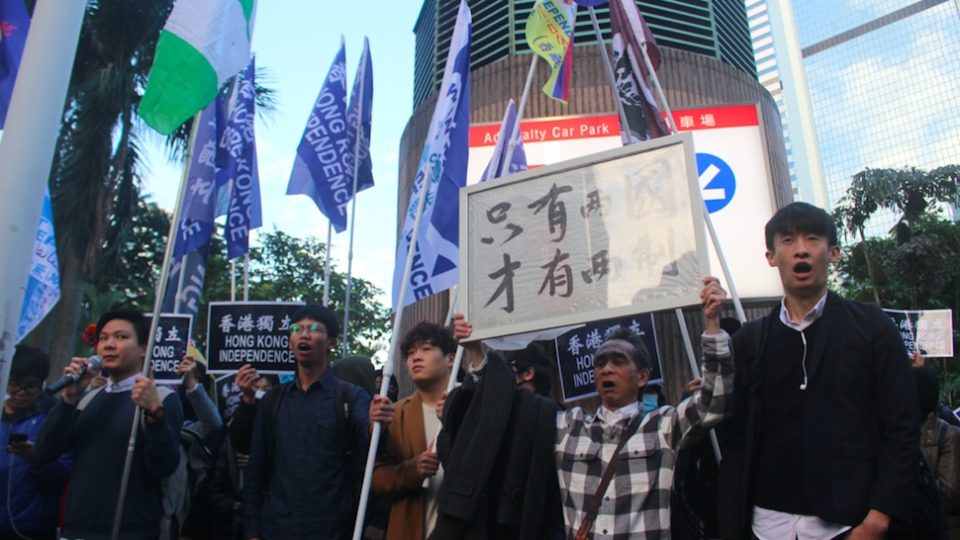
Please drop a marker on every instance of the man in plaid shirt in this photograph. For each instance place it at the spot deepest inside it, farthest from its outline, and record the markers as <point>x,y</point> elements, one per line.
<point>636,503</point>
<point>637,500</point>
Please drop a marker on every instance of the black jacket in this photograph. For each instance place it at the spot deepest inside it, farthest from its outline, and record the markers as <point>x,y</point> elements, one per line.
<point>497,450</point>
<point>860,419</point>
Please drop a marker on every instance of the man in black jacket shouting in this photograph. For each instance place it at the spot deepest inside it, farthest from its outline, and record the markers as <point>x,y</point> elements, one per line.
<point>823,440</point>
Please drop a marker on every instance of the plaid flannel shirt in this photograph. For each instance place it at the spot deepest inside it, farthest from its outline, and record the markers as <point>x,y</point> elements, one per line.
<point>637,501</point>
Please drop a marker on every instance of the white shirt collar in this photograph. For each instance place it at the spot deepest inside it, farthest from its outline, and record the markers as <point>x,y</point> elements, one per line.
<point>807,319</point>
<point>609,417</point>
<point>125,385</point>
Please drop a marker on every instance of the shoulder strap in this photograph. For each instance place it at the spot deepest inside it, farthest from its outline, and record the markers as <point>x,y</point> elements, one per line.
<point>593,505</point>
<point>342,413</point>
<point>87,398</point>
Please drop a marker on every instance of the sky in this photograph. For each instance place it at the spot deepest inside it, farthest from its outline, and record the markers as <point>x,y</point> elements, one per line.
<point>296,42</point>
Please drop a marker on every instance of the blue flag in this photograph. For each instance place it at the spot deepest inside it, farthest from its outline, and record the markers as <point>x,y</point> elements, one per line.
<point>14,24</point>
<point>43,284</point>
<point>198,209</point>
<point>442,172</point>
<point>240,170</point>
<point>194,266</point>
<point>321,169</point>
<point>518,162</point>
<point>359,112</point>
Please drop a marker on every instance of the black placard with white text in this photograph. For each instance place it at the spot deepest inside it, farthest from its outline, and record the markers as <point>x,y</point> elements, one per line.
<point>255,333</point>
<point>169,346</point>
<point>576,350</point>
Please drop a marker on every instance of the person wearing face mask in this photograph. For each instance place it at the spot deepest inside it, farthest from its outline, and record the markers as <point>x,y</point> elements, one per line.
<point>615,468</point>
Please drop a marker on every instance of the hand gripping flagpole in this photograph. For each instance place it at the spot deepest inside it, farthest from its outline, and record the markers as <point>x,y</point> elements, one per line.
<point>353,204</point>
<point>154,321</point>
<point>390,365</point>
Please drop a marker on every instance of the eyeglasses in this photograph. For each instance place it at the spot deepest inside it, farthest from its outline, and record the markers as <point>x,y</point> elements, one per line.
<point>312,329</point>
<point>16,386</point>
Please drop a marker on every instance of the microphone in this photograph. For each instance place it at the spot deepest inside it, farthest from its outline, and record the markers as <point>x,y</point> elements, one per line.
<point>94,363</point>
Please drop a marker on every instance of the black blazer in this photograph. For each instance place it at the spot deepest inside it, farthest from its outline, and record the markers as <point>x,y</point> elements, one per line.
<point>861,419</point>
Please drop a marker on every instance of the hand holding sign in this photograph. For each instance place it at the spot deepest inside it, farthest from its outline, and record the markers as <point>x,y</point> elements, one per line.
<point>188,370</point>
<point>462,329</point>
<point>246,379</point>
<point>712,297</point>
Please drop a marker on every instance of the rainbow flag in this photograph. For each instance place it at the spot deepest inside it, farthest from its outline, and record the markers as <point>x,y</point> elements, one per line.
<point>549,33</point>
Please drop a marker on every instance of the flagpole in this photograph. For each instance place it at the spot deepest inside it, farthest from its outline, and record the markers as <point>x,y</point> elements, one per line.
<point>458,358</point>
<point>180,282</point>
<point>246,276</point>
<point>611,78</point>
<point>738,306</point>
<point>29,143</point>
<point>695,370</point>
<point>233,280</point>
<point>389,366</point>
<point>512,142</point>
<point>154,321</point>
<point>326,267</point>
<point>353,204</point>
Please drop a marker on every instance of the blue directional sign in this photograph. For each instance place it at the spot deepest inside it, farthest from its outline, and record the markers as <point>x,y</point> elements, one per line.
<point>716,181</point>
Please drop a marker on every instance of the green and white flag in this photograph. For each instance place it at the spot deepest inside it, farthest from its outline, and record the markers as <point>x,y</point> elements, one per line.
<point>204,43</point>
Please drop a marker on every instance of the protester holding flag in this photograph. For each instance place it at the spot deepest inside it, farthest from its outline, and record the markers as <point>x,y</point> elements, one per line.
<point>307,434</point>
<point>408,470</point>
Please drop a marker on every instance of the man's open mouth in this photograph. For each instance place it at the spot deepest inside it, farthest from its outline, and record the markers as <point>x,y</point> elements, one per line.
<point>302,346</point>
<point>802,267</point>
<point>607,384</point>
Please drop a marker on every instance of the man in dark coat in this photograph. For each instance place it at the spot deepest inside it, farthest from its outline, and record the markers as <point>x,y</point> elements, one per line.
<point>823,440</point>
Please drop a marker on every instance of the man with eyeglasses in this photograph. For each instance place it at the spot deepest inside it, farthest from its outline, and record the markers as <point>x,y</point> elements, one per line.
<point>29,492</point>
<point>309,435</point>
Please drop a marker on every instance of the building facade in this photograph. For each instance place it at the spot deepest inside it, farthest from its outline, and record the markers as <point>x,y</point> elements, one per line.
<point>776,51</point>
<point>713,28</point>
<point>883,79</point>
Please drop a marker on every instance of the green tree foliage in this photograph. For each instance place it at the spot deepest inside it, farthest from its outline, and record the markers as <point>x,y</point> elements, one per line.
<point>918,265</point>
<point>286,268</point>
<point>282,268</point>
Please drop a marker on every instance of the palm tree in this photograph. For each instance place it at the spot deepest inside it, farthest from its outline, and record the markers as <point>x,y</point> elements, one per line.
<point>95,178</point>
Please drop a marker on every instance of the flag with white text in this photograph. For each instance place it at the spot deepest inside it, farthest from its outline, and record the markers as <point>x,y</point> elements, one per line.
<point>324,160</point>
<point>631,36</point>
<point>43,283</point>
<point>359,115</point>
<point>442,172</point>
<point>240,170</point>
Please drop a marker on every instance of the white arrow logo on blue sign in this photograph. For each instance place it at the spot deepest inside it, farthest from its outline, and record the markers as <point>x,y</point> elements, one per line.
<point>716,181</point>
